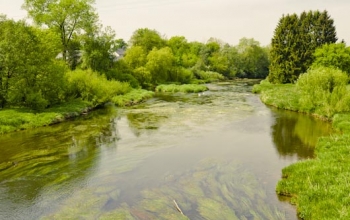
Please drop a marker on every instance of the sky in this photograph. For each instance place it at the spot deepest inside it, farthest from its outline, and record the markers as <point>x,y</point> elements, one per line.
<point>199,20</point>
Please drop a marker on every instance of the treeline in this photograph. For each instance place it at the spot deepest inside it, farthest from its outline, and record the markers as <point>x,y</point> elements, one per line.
<point>67,54</point>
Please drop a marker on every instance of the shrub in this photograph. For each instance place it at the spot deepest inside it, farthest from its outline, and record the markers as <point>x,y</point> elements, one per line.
<point>208,76</point>
<point>323,91</point>
<point>95,88</point>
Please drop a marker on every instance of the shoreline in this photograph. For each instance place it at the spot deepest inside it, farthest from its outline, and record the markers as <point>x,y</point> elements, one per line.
<point>318,187</point>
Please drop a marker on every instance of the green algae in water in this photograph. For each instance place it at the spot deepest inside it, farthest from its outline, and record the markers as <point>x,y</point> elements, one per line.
<point>212,190</point>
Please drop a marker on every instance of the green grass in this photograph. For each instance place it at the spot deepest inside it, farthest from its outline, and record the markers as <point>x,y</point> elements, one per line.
<point>133,97</point>
<point>186,88</point>
<point>21,118</point>
<point>320,187</point>
<point>16,119</point>
<point>283,96</point>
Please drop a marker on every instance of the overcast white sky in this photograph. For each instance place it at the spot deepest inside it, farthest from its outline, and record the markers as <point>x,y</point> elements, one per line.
<point>228,20</point>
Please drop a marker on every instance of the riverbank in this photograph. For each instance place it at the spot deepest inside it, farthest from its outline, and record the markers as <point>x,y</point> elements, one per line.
<point>16,119</point>
<point>319,187</point>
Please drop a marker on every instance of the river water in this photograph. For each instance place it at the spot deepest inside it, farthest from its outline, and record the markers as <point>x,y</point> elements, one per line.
<point>217,155</point>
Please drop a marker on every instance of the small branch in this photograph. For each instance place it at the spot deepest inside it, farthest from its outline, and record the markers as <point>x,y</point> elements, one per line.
<point>177,207</point>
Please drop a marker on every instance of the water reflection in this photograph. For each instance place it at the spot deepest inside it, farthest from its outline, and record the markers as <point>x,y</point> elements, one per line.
<point>56,158</point>
<point>297,134</point>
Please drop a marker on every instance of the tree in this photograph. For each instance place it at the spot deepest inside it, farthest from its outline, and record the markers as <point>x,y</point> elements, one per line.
<point>294,42</point>
<point>333,55</point>
<point>253,59</point>
<point>98,50</point>
<point>29,74</point>
<point>135,57</point>
<point>68,18</point>
<point>160,64</point>
<point>147,38</point>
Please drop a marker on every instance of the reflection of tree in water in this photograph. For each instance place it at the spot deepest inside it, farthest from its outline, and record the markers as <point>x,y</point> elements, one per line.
<point>140,122</point>
<point>51,158</point>
<point>297,134</point>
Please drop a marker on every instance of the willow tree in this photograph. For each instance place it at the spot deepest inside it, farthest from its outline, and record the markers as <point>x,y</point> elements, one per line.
<point>294,42</point>
<point>68,18</point>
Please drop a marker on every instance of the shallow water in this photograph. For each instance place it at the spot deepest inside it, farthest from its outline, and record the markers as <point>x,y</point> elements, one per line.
<point>218,154</point>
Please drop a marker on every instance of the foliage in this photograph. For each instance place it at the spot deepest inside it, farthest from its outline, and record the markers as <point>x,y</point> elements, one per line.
<point>98,51</point>
<point>68,18</point>
<point>208,76</point>
<point>135,57</point>
<point>323,91</point>
<point>186,88</point>
<point>294,42</point>
<point>160,64</point>
<point>333,55</point>
<point>251,59</point>
<point>182,75</point>
<point>133,97</point>
<point>147,39</point>
<point>94,88</point>
<point>29,75</point>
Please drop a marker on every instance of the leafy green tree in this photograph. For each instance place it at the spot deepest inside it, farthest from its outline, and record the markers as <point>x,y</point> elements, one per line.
<point>333,55</point>
<point>98,50</point>
<point>29,74</point>
<point>294,42</point>
<point>135,57</point>
<point>147,38</point>
<point>253,59</point>
<point>68,18</point>
<point>160,64</point>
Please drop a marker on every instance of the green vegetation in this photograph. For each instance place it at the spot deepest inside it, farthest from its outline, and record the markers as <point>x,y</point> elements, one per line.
<point>333,55</point>
<point>133,97</point>
<point>66,55</point>
<point>187,88</point>
<point>23,118</point>
<point>320,91</point>
<point>318,187</point>
<point>294,42</point>
<point>283,96</point>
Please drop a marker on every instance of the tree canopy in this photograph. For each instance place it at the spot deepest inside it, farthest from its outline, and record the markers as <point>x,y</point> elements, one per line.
<point>294,42</point>
<point>68,18</point>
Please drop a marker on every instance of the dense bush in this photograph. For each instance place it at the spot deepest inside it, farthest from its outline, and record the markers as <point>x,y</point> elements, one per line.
<point>95,88</point>
<point>323,91</point>
<point>208,76</point>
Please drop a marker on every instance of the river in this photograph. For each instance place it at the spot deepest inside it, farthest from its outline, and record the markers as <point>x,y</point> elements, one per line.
<point>217,154</point>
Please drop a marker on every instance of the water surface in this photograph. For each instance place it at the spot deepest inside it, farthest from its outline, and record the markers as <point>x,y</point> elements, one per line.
<point>218,154</point>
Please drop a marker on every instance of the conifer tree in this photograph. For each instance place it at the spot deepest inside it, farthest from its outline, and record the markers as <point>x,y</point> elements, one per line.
<point>294,42</point>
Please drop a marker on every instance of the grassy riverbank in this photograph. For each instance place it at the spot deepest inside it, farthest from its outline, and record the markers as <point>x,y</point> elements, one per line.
<point>319,187</point>
<point>16,119</point>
